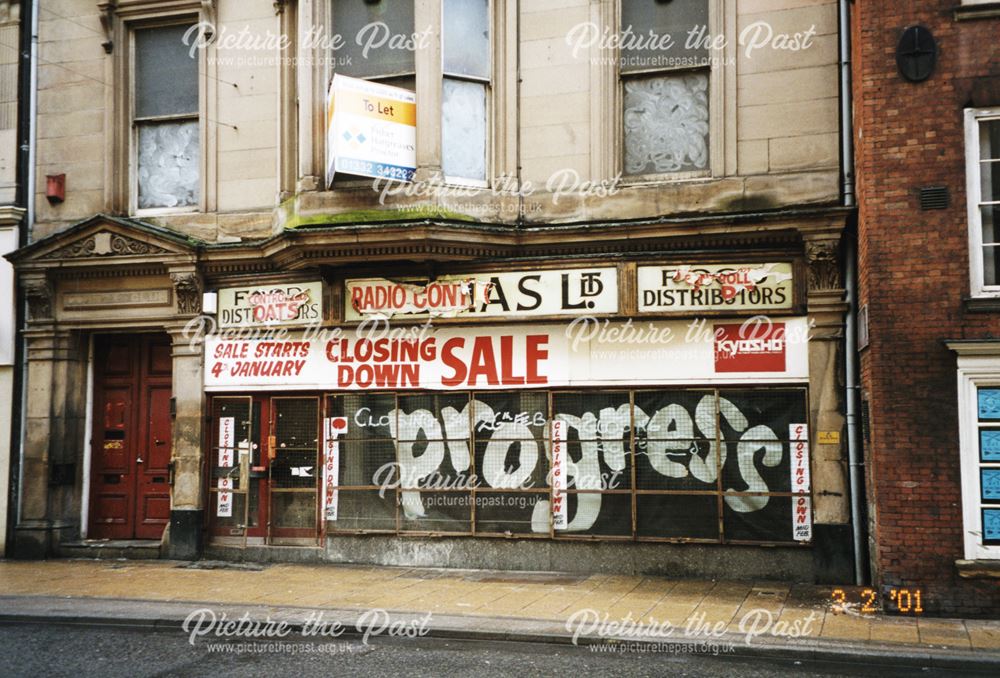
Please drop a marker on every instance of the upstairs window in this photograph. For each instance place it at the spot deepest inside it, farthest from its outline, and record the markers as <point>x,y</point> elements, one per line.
<point>982,133</point>
<point>165,117</point>
<point>665,89</point>
<point>370,32</point>
<point>465,36</point>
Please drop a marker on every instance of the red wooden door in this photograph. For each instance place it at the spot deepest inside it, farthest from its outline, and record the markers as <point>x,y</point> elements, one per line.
<point>131,440</point>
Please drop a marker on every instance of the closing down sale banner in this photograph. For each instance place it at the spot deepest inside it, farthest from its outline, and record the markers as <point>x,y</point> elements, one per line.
<point>591,353</point>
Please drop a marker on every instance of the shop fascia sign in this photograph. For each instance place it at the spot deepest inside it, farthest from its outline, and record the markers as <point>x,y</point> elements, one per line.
<point>371,130</point>
<point>291,304</point>
<point>695,288</point>
<point>585,352</point>
<point>584,291</point>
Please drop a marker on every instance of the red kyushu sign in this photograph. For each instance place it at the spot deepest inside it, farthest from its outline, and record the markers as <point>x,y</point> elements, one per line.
<point>595,353</point>
<point>750,348</point>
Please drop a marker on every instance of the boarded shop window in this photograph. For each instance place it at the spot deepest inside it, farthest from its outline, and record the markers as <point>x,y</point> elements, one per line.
<point>465,36</point>
<point>665,89</point>
<point>673,464</point>
<point>983,177</point>
<point>165,116</point>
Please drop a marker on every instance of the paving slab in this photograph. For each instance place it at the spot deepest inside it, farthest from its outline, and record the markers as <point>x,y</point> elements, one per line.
<point>755,618</point>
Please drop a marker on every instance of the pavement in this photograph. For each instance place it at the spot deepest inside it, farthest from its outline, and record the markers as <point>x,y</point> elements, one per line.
<point>744,618</point>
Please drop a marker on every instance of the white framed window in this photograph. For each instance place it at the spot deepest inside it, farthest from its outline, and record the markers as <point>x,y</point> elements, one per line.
<point>166,143</point>
<point>979,440</point>
<point>982,151</point>
<point>666,93</point>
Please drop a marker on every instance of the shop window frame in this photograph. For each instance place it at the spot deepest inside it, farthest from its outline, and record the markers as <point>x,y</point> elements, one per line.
<point>325,529</point>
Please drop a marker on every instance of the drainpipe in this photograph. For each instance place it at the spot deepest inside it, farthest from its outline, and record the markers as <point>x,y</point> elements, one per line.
<point>23,175</point>
<point>855,463</point>
<point>27,113</point>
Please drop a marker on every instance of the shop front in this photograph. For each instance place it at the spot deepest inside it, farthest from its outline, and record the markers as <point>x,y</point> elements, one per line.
<point>673,413</point>
<point>516,405</point>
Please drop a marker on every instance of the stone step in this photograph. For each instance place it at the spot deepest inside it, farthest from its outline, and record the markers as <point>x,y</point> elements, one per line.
<point>111,549</point>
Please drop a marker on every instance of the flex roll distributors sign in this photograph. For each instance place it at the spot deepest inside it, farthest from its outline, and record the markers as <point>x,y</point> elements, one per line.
<point>271,305</point>
<point>371,130</point>
<point>591,353</point>
<point>591,291</point>
<point>715,287</point>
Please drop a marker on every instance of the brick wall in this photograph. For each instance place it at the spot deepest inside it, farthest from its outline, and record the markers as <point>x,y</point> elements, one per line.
<point>914,274</point>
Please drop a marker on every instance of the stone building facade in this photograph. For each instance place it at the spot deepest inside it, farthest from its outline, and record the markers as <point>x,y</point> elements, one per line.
<point>927,129</point>
<point>194,358</point>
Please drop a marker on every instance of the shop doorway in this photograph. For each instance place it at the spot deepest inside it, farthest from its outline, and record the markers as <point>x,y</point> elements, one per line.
<point>264,469</point>
<point>131,437</point>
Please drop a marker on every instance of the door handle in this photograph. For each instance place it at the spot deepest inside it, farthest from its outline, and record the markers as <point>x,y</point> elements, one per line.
<point>138,460</point>
<point>160,442</point>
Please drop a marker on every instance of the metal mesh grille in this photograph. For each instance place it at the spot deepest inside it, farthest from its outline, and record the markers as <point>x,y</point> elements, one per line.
<point>295,466</point>
<point>232,443</point>
<point>679,464</point>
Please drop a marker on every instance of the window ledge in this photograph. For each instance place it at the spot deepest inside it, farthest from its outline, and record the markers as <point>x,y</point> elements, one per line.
<point>981,304</point>
<point>978,569</point>
<point>989,10</point>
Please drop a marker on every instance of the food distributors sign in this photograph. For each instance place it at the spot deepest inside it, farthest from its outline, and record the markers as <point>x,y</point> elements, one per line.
<point>715,287</point>
<point>479,295</point>
<point>585,352</point>
<point>371,130</point>
<point>271,305</point>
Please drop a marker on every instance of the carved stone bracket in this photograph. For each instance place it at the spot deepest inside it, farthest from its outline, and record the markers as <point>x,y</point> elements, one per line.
<point>107,9</point>
<point>824,265</point>
<point>39,293</point>
<point>279,6</point>
<point>187,288</point>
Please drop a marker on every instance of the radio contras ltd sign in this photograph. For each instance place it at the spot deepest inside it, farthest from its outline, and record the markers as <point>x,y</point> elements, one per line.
<point>493,294</point>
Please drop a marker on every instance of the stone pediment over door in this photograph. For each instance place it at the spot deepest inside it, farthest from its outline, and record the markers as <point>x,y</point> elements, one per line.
<point>110,268</point>
<point>101,239</point>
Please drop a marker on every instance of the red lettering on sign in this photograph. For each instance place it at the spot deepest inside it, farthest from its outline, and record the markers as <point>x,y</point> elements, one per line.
<point>483,362</point>
<point>536,353</point>
<point>453,362</point>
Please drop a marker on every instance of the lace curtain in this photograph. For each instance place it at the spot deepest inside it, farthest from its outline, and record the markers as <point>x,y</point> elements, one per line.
<point>666,124</point>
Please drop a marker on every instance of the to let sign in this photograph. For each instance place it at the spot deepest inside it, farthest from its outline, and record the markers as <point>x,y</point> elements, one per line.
<point>293,304</point>
<point>371,130</point>
<point>591,291</point>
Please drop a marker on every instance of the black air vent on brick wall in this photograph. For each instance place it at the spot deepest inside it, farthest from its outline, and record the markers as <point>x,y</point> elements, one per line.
<point>934,198</point>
